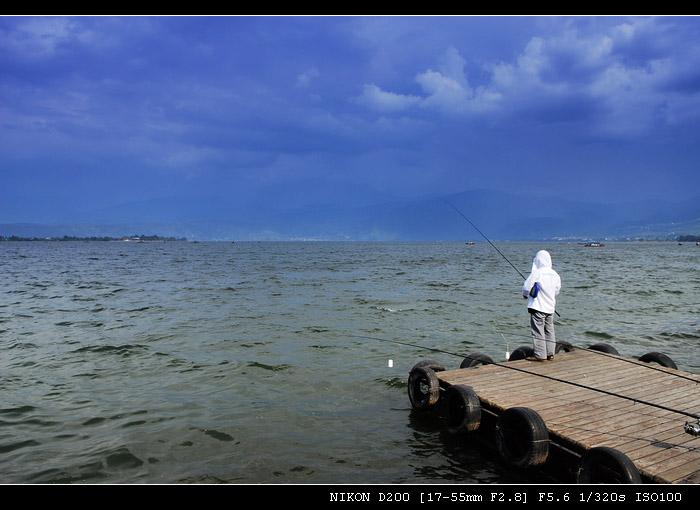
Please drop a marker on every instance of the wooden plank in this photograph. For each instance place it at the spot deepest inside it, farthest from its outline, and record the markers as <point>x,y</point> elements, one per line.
<point>680,473</point>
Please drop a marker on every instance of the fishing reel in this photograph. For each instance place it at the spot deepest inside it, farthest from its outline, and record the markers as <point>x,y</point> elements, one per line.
<point>693,428</point>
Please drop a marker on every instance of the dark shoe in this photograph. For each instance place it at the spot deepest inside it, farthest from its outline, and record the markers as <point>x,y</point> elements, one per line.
<point>532,358</point>
<point>550,358</point>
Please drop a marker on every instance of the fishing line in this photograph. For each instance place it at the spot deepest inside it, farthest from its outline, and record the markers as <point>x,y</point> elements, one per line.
<point>613,356</point>
<point>594,351</point>
<point>487,239</point>
<point>548,377</point>
<point>638,363</point>
<point>434,349</point>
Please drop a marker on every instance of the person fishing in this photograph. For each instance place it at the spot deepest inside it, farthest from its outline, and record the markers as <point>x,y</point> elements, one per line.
<point>541,289</point>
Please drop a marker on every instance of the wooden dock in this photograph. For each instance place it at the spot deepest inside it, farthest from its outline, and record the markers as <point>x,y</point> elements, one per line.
<point>592,405</point>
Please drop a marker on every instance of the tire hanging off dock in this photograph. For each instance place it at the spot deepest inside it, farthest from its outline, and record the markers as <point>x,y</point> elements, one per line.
<point>604,348</point>
<point>423,387</point>
<point>521,352</point>
<point>658,357</point>
<point>607,465</point>
<point>462,409</point>
<point>475,359</point>
<point>522,437</point>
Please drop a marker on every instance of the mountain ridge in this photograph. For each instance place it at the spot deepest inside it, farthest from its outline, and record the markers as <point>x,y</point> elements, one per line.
<point>497,215</point>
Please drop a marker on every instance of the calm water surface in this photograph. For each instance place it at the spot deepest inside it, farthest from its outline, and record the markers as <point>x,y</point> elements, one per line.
<point>171,362</point>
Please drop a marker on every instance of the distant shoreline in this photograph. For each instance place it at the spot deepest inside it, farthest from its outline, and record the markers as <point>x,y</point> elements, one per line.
<point>146,239</point>
<point>136,239</point>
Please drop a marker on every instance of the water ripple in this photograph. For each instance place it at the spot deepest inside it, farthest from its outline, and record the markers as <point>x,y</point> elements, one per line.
<point>254,362</point>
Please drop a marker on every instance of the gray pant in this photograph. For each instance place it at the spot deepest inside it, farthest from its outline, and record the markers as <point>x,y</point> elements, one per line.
<point>543,341</point>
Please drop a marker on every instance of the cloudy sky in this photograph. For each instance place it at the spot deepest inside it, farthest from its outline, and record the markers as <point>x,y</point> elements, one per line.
<point>97,113</point>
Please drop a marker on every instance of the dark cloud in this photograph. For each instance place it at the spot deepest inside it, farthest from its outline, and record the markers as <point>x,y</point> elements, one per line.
<point>348,108</point>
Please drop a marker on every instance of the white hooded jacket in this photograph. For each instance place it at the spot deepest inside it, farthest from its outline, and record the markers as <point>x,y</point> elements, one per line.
<point>548,281</point>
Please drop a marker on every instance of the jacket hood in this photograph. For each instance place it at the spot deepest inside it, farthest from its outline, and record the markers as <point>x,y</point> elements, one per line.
<point>542,260</point>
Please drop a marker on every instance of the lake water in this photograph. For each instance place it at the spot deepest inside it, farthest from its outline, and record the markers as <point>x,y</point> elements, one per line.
<point>178,362</point>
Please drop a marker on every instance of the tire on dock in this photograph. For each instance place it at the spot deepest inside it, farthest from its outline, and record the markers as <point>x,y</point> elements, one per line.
<point>604,348</point>
<point>522,438</point>
<point>433,365</point>
<point>462,409</point>
<point>658,357</point>
<point>522,352</point>
<point>607,465</point>
<point>563,347</point>
<point>423,387</point>
<point>475,359</point>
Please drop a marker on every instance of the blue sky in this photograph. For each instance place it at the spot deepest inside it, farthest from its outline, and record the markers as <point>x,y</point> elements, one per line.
<point>235,114</point>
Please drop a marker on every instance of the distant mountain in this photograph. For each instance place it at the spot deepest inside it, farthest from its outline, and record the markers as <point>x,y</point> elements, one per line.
<point>499,216</point>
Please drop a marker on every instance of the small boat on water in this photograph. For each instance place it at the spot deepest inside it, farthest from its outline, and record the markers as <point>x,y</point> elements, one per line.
<point>594,245</point>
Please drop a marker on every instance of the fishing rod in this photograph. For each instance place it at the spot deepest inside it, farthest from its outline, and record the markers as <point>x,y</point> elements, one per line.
<point>487,239</point>
<point>556,379</point>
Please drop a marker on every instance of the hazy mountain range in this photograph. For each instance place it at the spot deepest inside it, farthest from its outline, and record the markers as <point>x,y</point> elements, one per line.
<point>498,216</point>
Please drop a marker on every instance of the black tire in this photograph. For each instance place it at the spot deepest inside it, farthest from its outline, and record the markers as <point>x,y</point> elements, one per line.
<point>522,352</point>
<point>433,365</point>
<point>475,359</point>
<point>607,465</point>
<point>423,388</point>
<point>604,348</point>
<point>462,409</point>
<point>522,437</point>
<point>657,357</point>
<point>564,347</point>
